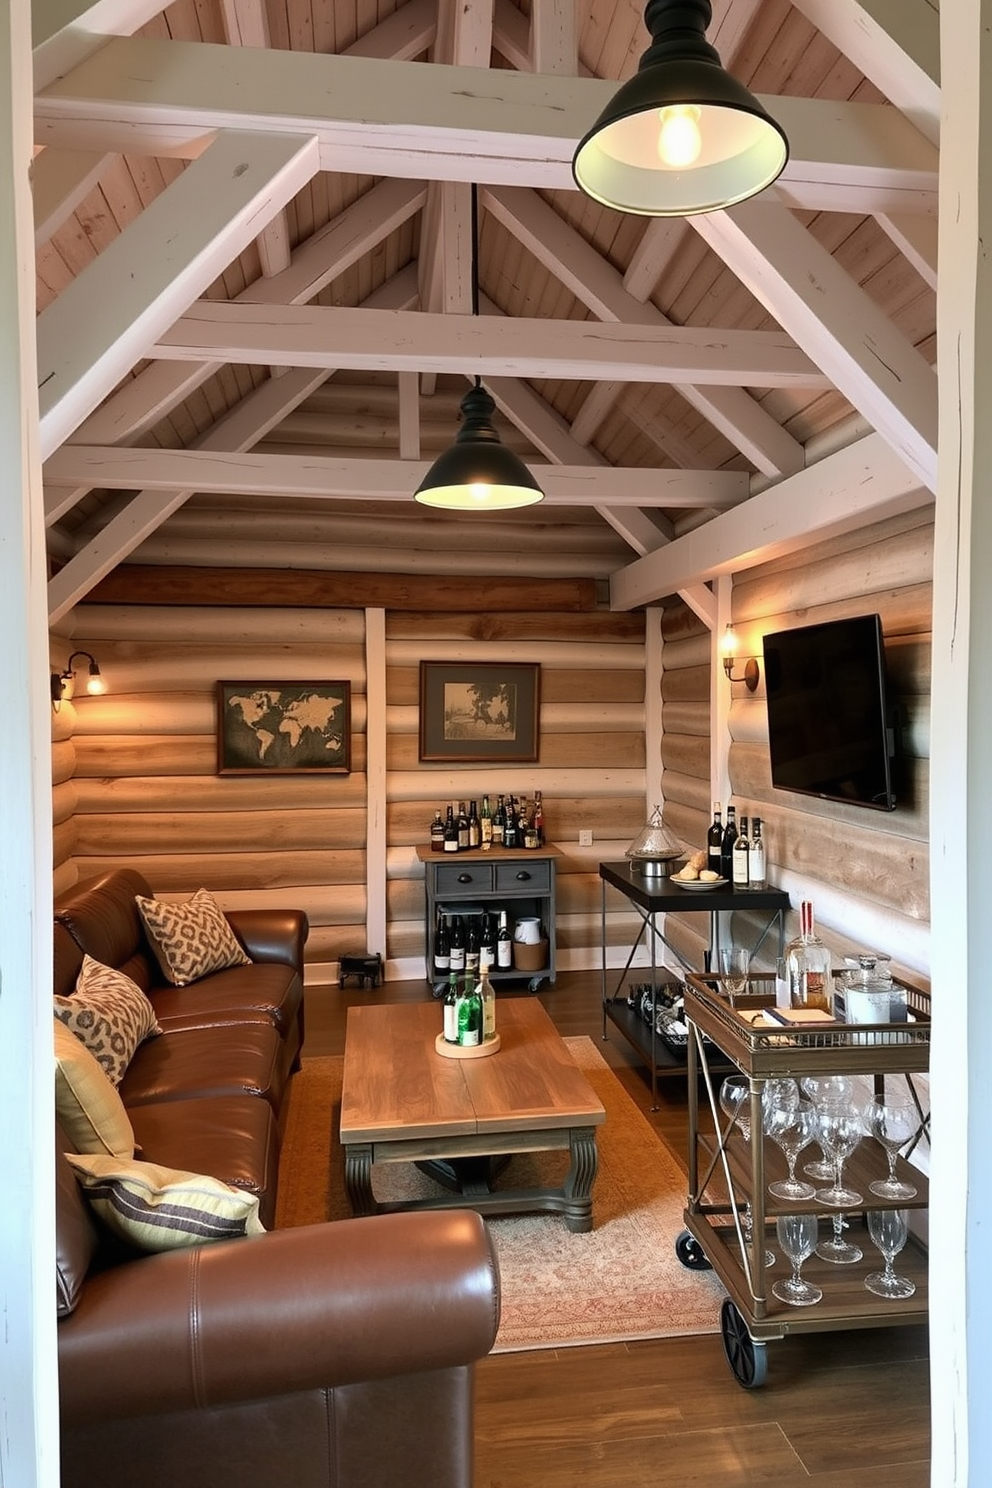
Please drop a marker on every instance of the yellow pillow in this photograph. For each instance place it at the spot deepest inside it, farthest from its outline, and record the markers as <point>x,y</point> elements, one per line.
<point>86,1103</point>
<point>156,1208</point>
<point>192,939</point>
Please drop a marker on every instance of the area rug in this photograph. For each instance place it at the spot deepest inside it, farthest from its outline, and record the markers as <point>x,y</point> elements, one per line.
<point>621,1281</point>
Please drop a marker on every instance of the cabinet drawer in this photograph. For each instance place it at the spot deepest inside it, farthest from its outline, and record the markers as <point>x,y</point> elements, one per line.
<point>466,879</point>
<point>523,878</point>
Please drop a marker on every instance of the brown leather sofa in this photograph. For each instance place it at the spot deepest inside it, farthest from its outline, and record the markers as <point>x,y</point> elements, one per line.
<point>332,1356</point>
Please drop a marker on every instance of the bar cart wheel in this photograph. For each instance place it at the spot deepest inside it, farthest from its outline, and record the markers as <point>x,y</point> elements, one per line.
<point>747,1359</point>
<point>691,1253</point>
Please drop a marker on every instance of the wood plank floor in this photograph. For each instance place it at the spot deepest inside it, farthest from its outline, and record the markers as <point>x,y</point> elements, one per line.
<point>839,1410</point>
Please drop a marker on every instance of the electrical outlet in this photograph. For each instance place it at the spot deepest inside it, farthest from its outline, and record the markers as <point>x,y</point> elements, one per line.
<point>585,838</point>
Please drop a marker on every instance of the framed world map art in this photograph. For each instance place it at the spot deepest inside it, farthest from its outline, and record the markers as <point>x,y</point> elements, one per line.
<point>288,728</point>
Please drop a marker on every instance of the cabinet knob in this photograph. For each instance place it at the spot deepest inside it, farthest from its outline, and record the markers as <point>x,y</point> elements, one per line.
<point>464,878</point>
<point>523,875</point>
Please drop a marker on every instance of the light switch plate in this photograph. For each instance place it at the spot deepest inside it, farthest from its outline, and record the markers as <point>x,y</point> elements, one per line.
<point>585,838</point>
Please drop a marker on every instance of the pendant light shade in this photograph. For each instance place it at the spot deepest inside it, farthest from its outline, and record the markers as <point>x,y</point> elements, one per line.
<point>478,472</point>
<point>681,136</point>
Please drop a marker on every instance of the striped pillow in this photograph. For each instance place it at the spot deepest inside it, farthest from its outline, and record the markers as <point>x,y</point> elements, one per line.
<point>192,939</point>
<point>156,1208</point>
<point>110,1013</point>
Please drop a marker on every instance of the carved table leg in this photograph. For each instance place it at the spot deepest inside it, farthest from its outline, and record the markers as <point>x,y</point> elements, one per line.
<point>358,1179</point>
<point>579,1178</point>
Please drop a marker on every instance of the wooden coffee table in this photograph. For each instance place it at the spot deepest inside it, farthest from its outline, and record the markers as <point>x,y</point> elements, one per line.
<point>401,1101</point>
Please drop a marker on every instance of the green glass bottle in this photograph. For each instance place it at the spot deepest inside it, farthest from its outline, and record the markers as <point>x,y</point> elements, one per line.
<point>469,1015</point>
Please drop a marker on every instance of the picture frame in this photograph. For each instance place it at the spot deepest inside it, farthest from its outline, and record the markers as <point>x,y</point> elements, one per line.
<point>474,711</point>
<point>284,728</point>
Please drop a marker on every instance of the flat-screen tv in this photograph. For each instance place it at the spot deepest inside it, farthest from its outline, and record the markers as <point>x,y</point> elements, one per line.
<point>828,720</point>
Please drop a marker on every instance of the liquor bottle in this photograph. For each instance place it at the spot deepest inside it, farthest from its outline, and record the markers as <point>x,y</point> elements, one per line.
<point>756,871</point>
<point>807,965</point>
<point>462,827</point>
<point>469,1015</point>
<point>442,948</point>
<point>510,837</point>
<point>714,840</point>
<point>474,825</point>
<point>539,818</point>
<point>487,996</point>
<point>451,1010</point>
<point>437,832</point>
<point>456,947</point>
<point>451,832</point>
<point>499,823</point>
<point>727,845</point>
<point>504,945</point>
<point>486,824</point>
<point>741,853</point>
<point>487,943</point>
<point>472,947</point>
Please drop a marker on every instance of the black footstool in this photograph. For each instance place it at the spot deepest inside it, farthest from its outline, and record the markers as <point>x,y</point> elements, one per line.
<point>368,969</point>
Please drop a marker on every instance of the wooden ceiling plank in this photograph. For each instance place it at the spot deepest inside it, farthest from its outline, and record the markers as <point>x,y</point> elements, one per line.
<point>895,43</point>
<point>60,181</point>
<point>511,35</point>
<point>597,404</point>
<point>388,480</point>
<point>554,37</point>
<point>381,117</point>
<point>103,322</point>
<point>409,415</point>
<point>866,358</point>
<point>376,340</point>
<point>860,484</point>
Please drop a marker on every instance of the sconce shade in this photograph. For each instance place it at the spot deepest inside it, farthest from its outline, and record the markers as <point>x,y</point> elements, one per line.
<point>478,472</point>
<point>682,136</point>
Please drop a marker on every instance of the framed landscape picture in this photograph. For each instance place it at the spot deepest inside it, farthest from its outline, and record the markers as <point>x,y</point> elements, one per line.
<point>479,710</point>
<point>288,728</point>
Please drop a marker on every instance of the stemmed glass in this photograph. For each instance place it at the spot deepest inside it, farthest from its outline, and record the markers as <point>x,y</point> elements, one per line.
<point>840,1131</point>
<point>837,1249</point>
<point>797,1237</point>
<point>824,1088</point>
<point>893,1123</point>
<point>791,1127</point>
<point>888,1229</point>
<point>735,1097</point>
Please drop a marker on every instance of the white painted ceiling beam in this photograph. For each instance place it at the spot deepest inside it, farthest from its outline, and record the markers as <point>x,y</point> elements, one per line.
<point>138,405</point>
<point>895,43</point>
<point>402,36</point>
<point>866,358</point>
<point>63,32</point>
<point>916,239</point>
<point>511,35</point>
<point>60,180</point>
<point>246,23</point>
<point>368,340</point>
<point>105,320</point>
<point>554,37</point>
<point>386,480</point>
<point>377,117</point>
<point>860,484</point>
<point>600,288</point>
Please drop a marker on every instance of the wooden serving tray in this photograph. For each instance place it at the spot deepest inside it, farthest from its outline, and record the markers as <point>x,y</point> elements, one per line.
<point>473,1051</point>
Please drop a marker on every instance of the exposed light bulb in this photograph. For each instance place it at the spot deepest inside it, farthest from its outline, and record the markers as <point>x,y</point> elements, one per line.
<point>480,490</point>
<point>95,685</point>
<point>679,140</point>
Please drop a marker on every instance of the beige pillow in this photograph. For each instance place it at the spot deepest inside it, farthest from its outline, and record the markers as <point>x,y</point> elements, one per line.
<point>191,939</point>
<point>86,1103</point>
<point>156,1208</point>
<point>110,1013</point>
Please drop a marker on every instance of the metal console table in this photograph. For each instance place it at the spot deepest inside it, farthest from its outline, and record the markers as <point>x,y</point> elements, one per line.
<point>653,896</point>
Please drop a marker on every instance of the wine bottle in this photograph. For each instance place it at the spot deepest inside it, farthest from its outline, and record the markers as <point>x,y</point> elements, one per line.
<point>486,824</point>
<point>499,823</point>
<point>756,870</point>
<point>462,827</point>
<point>472,946</point>
<point>451,1010</point>
<point>456,950</point>
<point>510,838</point>
<point>474,825</point>
<point>538,819</point>
<point>442,948</point>
<point>437,832</point>
<point>740,855</point>
<point>714,840</point>
<point>487,996</point>
<point>807,965</point>
<point>487,943</point>
<point>727,845</point>
<point>469,1015</point>
<point>451,832</point>
<point>504,945</point>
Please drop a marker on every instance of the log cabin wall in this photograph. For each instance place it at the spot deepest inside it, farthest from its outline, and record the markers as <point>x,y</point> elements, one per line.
<point>136,770</point>
<point>866,871</point>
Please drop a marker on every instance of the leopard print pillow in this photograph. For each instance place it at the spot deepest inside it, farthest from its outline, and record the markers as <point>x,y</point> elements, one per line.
<point>192,939</point>
<point>109,1014</point>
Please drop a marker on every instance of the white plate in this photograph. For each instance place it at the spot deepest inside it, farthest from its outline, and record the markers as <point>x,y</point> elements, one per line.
<point>694,883</point>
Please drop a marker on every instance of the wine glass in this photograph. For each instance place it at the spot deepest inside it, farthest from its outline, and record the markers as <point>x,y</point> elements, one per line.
<point>797,1237</point>
<point>836,1249</point>
<point>792,1128</point>
<point>735,1098</point>
<point>888,1229</point>
<point>825,1087</point>
<point>893,1123</point>
<point>841,1130</point>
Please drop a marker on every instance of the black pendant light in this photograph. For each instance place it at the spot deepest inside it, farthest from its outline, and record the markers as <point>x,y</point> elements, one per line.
<point>681,136</point>
<point>478,472</point>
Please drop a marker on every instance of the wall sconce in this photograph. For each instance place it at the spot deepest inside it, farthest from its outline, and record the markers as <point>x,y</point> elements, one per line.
<point>61,680</point>
<point>728,648</point>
